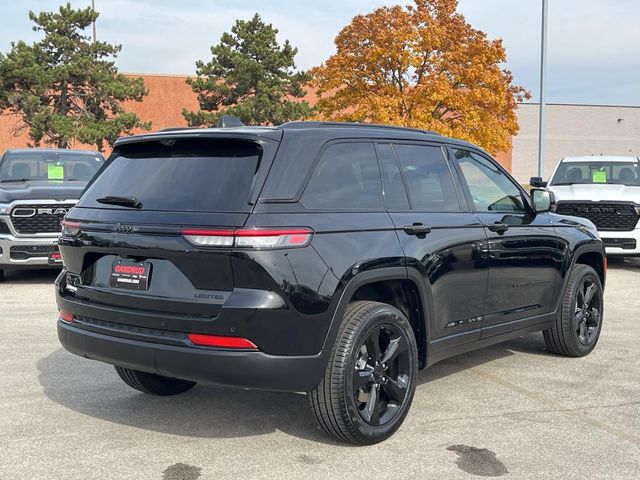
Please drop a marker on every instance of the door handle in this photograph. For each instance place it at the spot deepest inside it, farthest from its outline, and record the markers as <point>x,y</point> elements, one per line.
<point>498,227</point>
<point>416,229</point>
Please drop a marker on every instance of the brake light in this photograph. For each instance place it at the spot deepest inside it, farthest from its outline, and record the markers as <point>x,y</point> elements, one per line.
<point>249,237</point>
<point>66,316</point>
<point>220,341</point>
<point>70,229</point>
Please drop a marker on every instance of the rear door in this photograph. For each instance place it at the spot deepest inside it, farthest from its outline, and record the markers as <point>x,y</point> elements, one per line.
<point>440,237</point>
<point>135,256</point>
<point>524,253</point>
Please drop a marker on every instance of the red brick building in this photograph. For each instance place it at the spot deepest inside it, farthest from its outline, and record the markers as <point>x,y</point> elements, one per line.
<point>168,95</point>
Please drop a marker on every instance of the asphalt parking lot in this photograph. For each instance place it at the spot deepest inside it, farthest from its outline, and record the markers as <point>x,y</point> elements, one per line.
<point>511,410</point>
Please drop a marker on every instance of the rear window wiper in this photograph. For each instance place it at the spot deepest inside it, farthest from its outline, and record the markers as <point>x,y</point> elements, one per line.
<point>132,202</point>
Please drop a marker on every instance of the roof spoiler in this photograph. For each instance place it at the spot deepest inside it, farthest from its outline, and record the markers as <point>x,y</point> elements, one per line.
<point>225,121</point>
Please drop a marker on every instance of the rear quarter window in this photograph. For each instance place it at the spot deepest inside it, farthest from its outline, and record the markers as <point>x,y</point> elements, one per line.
<point>200,175</point>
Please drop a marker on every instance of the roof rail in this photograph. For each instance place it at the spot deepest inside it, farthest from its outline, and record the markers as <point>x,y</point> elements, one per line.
<point>175,129</point>
<point>316,124</point>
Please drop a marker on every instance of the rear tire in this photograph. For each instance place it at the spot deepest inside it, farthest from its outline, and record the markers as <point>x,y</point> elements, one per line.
<point>153,384</point>
<point>1,275</point>
<point>578,323</point>
<point>370,380</point>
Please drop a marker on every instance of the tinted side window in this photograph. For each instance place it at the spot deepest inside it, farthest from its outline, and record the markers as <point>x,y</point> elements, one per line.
<point>491,190</point>
<point>346,177</point>
<point>428,178</point>
<point>395,193</point>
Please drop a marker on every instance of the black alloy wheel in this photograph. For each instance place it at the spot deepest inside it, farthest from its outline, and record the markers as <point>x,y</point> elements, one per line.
<point>587,312</point>
<point>370,378</point>
<point>578,322</point>
<point>381,375</point>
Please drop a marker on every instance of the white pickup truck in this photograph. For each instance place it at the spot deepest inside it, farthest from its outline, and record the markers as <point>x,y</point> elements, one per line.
<point>38,186</point>
<point>605,190</point>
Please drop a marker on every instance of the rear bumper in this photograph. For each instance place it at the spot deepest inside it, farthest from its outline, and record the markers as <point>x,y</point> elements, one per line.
<point>621,243</point>
<point>248,369</point>
<point>33,251</point>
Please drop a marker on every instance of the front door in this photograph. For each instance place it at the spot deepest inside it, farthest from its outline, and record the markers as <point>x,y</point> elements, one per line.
<point>524,254</point>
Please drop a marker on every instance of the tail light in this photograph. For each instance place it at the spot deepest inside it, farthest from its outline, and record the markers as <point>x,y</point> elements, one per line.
<point>69,228</point>
<point>66,316</point>
<point>220,341</point>
<point>209,238</point>
<point>249,237</point>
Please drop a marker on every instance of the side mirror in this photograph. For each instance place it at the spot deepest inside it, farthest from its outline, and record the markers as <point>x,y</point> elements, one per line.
<point>537,182</point>
<point>543,200</point>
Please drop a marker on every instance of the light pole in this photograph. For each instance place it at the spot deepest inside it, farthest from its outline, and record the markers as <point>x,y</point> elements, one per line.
<point>543,75</point>
<point>93,7</point>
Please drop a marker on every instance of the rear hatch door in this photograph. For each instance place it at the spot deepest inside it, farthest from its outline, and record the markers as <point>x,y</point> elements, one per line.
<point>124,247</point>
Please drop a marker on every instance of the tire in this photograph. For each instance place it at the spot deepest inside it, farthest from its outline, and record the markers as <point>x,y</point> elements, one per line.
<point>373,411</point>
<point>1,275</point>
<point>578,322</point>
<point>153,384</point>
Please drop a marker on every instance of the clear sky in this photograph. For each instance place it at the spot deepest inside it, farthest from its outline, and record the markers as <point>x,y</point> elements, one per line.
<point>594,45</point>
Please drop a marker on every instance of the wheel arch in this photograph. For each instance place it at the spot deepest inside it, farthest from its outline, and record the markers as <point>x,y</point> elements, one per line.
<point>400,287</point>
<point>591,254</point>
<point>595,259</point>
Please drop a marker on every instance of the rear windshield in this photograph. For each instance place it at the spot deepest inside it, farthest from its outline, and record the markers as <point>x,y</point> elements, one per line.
<point>54,165</point>
<point>622,173</point>
<point>195,175</point>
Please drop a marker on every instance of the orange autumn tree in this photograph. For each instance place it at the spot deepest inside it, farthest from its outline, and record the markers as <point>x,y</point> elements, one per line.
<point>421,66</point>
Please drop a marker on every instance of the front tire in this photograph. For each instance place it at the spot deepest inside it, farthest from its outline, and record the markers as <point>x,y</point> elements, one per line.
<point>579,320</point>
<point>153,384</point>
<point>370,380</point>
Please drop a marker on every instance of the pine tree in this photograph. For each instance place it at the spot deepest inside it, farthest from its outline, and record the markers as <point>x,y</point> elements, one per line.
<point>250,76</point>
<point>65,87</point>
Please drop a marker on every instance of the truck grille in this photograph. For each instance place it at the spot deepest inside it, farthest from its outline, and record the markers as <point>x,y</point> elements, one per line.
<point>613,217</point>
<point>19,252</point>
<point>40,218</point>
<point>624,243</point>
<point>4,228</point>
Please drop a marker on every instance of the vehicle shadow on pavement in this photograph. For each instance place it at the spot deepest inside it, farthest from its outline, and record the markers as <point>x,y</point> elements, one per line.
<point>94,389</point>
<point>31,277</point>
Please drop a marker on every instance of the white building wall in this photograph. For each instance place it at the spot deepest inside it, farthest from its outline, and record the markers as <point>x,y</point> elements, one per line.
<point>573,130</point>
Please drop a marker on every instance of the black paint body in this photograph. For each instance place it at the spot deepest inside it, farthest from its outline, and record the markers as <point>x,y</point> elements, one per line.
<point>470,286</point>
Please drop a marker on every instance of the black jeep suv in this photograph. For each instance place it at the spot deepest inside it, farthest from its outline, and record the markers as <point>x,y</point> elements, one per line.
<point>334,259</point>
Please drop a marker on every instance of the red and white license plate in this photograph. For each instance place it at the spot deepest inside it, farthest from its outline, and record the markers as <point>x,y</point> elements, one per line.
<point>55,258</point>
<point>130,275</point>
